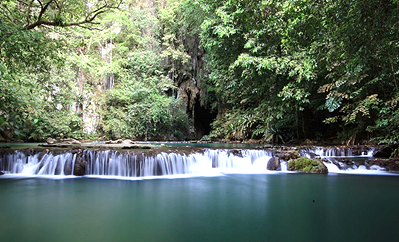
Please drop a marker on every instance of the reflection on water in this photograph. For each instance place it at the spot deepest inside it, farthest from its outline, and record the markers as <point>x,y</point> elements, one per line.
<point>271,207</point>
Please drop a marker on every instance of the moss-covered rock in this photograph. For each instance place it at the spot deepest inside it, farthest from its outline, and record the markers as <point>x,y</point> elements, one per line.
<point>304,164</point>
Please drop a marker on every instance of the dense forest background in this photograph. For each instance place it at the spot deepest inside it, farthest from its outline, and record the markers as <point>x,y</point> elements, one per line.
<point>274,71</point>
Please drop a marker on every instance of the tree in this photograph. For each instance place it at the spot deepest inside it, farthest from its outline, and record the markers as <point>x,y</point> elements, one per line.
<point>37,96</point>
<point>59,13</point>
<point>282,67</point>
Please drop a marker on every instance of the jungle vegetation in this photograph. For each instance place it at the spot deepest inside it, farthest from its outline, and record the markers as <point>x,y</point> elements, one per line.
<point>276,71</point>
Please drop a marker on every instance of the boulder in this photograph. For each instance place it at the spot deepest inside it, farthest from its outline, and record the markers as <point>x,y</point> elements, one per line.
<point>288,154</point>
<point>1,173</point>
<point>309,142</point>
<point>127,142</point>
<point>306,165</point>
<point>80,165</point>
<point>51,141</point>
<point>273,164</point>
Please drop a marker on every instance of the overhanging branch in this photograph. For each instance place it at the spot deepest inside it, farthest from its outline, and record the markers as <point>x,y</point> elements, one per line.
<point>89,18</point>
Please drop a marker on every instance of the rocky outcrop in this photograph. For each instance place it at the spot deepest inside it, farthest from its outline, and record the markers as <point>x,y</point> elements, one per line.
<point>60,142</point>
<point>273,164</point>
<point>120,141</point>
<point>51,141</point>
<point>70,142</point>
<point>188,80</point>
<point>306,165</point>
<point>388,164</point>
<point>386,151</point>
<point>80,165</point>
<point>286,153</point>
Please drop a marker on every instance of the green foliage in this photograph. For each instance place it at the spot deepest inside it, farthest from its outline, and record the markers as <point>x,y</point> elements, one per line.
<point>137,106</point>
<point>35,91</point>
<point>276,70</point>
<point>135,111</point>
<point>291,59</point>
<point>52,79</point>
<point>255,67</point>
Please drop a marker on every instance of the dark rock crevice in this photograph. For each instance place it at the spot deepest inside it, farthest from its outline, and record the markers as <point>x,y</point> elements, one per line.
<point>190,83</point>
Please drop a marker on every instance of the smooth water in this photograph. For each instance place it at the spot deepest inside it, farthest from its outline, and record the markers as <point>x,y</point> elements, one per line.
<point>261,207</point>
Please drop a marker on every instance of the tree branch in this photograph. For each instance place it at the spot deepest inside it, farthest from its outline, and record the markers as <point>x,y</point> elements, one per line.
<point>90,17</point>
<point>28,12</point>
<point>23,2</point>
<point>58,24</point>
<point>44,9</point>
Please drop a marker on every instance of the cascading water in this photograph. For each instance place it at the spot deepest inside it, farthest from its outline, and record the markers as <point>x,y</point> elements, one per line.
<point>325,152</point>
<point>112,163</point>
<point>124,164</point>
<point>42,163</point>
<point>177,163</point>
<point>344,159</point>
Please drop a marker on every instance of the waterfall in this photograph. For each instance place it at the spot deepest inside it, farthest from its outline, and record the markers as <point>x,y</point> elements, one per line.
<point>123,164</point>
<point>112,163</point>
<point>345,159</point>
<point>41,163</point>
<point>174,163</point>
<point>354,160</point>
<point>325,152</point>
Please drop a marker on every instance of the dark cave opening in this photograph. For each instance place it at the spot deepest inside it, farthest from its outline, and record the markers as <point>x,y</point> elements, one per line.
<point>203,119</point>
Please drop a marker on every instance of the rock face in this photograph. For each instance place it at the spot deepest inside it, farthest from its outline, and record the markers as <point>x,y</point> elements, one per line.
<point>128,142</point>
<point>386,151</point>
<point>80,165</point>
<point>70,142</point>
<point>388,164</point>
<point>273,164</point>
<point>307,165</point>
<point>287,154</point>
<point>188,79</point>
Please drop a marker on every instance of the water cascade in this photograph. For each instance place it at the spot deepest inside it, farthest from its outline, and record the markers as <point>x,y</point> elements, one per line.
<point>112,163</point>
<point>344,159</point>
<point>184,162</point>
<point>325,152</point>
<point>38,163</point>
<point>200,162</point>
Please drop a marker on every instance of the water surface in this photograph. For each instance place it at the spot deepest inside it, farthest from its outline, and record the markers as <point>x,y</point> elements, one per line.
<point>262,207</point>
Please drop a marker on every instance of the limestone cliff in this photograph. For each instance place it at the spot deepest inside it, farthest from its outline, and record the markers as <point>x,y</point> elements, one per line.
<point>191,87</point>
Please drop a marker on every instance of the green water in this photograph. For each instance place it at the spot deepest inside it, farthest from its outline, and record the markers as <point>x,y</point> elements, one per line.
<point>271,207</point>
